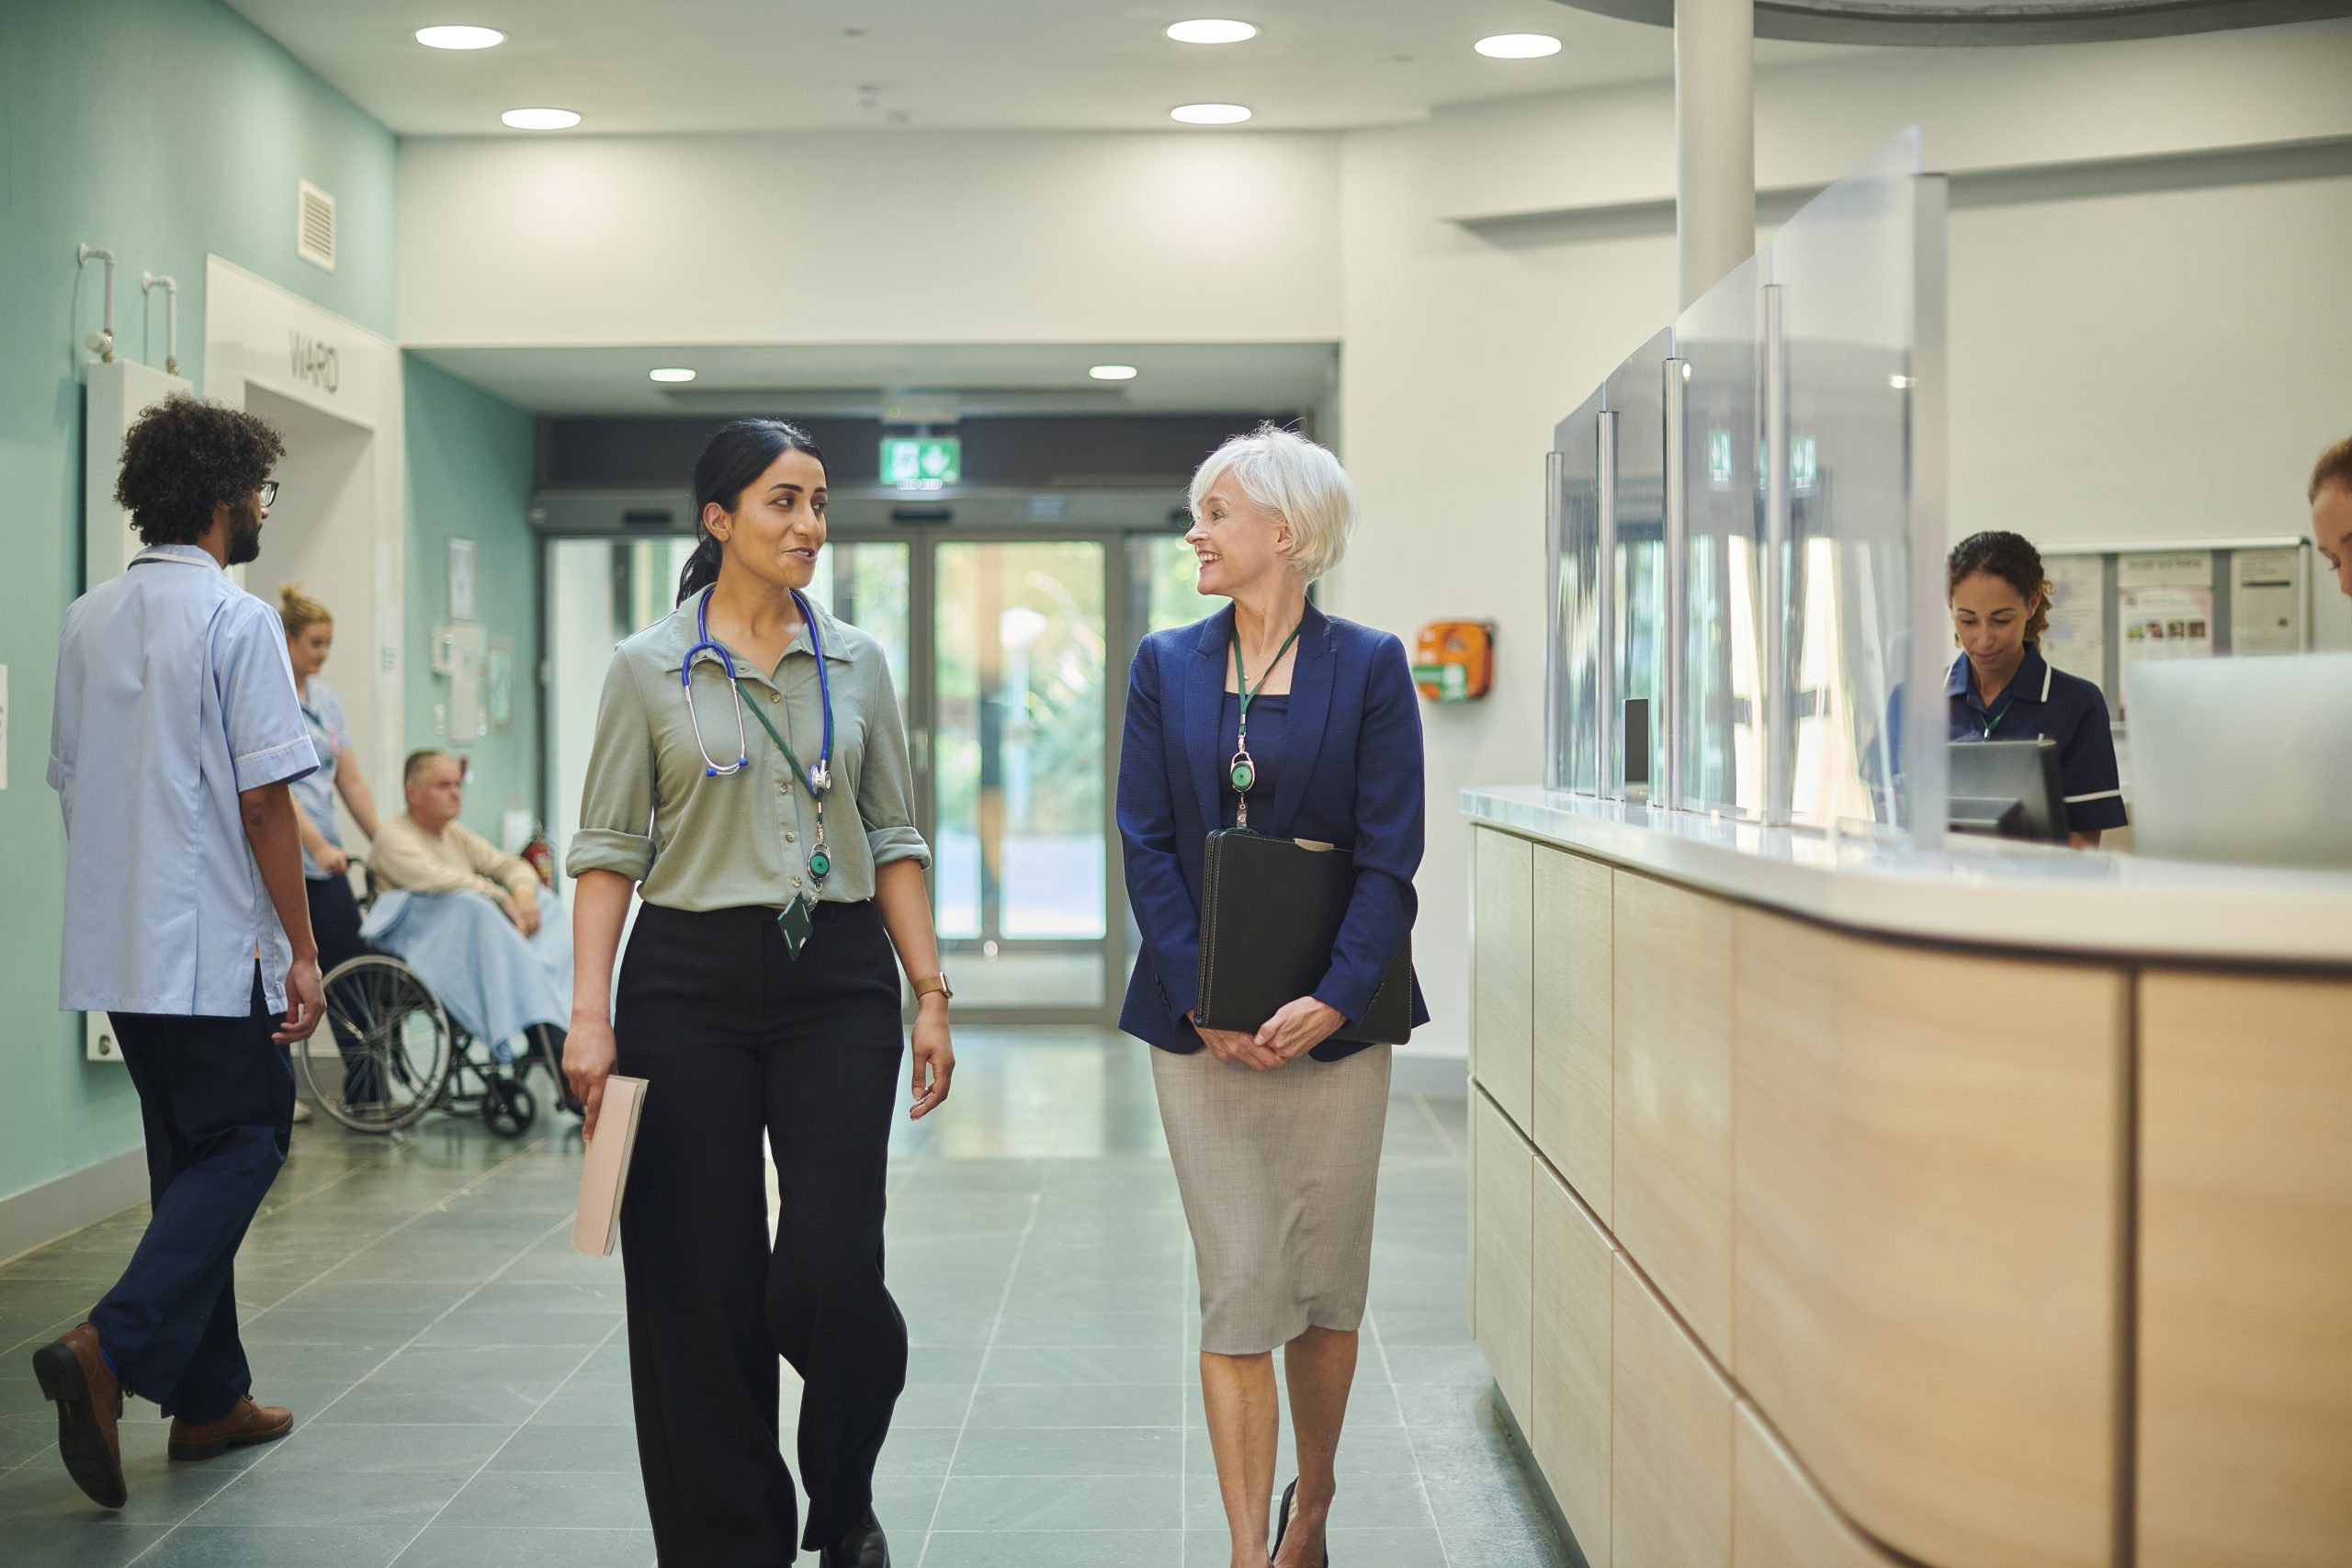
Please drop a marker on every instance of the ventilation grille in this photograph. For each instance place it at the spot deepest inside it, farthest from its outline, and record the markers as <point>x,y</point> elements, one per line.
<point>314,226</point>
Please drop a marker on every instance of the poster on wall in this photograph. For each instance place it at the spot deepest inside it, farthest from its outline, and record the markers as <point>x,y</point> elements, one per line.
<point>2075,640</point>
<point>461,580</point>
<point>498,674</point>
<point>2266,601</point>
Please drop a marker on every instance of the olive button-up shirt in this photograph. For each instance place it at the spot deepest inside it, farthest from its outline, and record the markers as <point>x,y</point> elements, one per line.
<point>652,810</point>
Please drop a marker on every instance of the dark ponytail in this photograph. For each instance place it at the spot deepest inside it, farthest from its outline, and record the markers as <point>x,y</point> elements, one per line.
<point>731,461</point>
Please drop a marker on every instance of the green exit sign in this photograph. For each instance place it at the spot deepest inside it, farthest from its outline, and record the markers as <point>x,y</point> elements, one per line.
<point>926,462</point>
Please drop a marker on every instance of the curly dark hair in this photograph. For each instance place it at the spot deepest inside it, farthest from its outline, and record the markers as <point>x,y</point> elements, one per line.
<point>183,458</point>
<point>2013,559</point>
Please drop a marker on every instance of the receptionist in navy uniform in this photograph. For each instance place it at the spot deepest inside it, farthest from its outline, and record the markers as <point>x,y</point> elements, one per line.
<point>2001,688</point>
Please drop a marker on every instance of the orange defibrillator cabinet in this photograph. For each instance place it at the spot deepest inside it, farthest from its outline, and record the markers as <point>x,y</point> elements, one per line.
<point>1453,661</point>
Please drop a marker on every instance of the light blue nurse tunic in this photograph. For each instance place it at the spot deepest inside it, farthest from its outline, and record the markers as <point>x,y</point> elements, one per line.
<point>174,694</point>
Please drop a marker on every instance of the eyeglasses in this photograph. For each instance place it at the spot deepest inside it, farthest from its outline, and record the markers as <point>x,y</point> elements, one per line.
<point>269,493</point>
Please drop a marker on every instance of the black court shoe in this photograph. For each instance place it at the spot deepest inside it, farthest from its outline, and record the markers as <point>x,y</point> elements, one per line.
<point>1282,1525</point>
<point>862,1545</point>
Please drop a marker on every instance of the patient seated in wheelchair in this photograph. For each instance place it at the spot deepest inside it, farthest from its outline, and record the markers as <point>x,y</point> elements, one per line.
<point>474,922</point>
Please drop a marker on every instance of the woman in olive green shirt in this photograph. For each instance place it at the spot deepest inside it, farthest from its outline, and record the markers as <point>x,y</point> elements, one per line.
<point>769,827</point>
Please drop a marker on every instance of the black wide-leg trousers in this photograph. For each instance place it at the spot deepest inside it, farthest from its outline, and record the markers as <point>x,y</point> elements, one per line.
<point>737,1042</point>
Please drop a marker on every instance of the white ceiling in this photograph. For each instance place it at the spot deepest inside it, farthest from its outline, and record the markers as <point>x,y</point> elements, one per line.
<point>855,380</point>
<point>635,67</point>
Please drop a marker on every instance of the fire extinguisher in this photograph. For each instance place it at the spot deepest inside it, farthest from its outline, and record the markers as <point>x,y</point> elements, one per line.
<point>540,854</point>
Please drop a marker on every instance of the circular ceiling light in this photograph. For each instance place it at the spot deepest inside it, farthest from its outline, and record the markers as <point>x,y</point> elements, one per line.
<point>1113,372</point>
<point>1518,46</point>
<point>460,38</point>
<point>677,373</point>
<point>540,119</point>
<point>1209,30</point>
<point>1209,114</point>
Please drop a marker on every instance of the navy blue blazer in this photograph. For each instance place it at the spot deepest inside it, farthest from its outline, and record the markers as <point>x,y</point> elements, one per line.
<point>1350,775</point>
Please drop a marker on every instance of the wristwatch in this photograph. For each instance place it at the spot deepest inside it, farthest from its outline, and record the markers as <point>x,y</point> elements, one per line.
<point>936,983</point>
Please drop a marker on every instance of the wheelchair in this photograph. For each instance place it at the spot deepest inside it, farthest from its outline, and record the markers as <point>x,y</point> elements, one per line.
<point>388,1052</point>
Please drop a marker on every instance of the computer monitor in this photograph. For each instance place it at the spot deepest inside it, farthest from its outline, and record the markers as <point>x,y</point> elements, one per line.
<point>2243,759</point>
<point>2007,787</point>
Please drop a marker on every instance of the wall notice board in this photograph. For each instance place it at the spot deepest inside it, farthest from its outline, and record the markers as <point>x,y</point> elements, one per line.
<point>2113,606</point>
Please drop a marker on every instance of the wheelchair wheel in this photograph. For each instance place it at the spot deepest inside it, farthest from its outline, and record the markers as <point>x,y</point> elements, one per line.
<point>508,1108</point>
<point>378,1059</point>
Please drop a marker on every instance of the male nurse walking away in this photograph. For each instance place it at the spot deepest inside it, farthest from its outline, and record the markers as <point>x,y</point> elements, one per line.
<point>176,734</point>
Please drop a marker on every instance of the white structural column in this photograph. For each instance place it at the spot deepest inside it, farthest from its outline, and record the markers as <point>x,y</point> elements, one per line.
<point>1714,127</point>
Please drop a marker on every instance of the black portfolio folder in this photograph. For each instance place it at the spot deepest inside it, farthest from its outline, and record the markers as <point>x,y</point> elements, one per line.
<point>1270,910</point>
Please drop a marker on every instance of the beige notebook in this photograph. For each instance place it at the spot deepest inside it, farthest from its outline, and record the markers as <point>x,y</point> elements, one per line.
<point>603,1175</point>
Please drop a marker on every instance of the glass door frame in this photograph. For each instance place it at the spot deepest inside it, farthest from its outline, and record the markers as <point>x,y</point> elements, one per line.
<point>1121,632</point>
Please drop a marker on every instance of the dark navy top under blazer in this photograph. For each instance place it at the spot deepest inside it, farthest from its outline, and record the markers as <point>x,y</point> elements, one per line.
<point>1348,772</point>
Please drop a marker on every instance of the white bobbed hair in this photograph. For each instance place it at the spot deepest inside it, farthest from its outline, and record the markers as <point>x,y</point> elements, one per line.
<point>1295,478</point>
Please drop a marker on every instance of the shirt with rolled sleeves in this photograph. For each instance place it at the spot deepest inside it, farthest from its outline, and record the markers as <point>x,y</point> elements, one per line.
<point>407,858</point>
<point>2043,702</point>
<point>174,696</point>
<point>652,810</point>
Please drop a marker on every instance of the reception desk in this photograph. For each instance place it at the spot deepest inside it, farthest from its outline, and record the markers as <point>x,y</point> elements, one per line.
<point>1838,1204</point>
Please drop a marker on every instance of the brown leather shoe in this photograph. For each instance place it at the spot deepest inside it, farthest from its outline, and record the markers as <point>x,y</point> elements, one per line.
<point>74,1378</point>
<point>245,1424</point>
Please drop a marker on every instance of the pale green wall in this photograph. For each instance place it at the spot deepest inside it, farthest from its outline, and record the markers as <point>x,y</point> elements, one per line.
<point>470,478</point>
<point>162,129</point>
<point>165,131</point>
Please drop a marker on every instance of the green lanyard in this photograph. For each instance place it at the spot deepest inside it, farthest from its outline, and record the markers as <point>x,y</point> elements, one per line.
<point>1244,769</point>
<point>1992,719</point>
<point>820,861</point>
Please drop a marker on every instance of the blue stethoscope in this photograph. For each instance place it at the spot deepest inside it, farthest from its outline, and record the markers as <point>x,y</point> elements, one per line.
<point>819,776</point>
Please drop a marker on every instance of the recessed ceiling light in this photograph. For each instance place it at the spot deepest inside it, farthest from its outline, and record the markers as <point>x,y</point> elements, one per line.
<point>1113,372</point>
<point>1518,46</point>
<point>1210,114</point>
<point>540,119</point>
<point>1208,30</point>
<point>677,373</point>
<point>460,38</point>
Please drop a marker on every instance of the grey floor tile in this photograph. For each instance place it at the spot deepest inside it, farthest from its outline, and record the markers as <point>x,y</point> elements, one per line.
<point>353,1500</point>
<point>1078,1404</point>
<point>1044,1327</point>
<point>551,1448</point>
<point>433,1405</point>
<point>932,1404</point>
<point>565,1500</point>
<point>277,1546</point>
<point>1059,1503</point>
<point>540,1367</point>
<point>1065,1364</point>
<point>588,1404</point>
<point>1069,1549</point>
<point>917,1453</point>
<point>101,1541</point>
<point>322,1449</point>
<point>454,1545</point>
<point>1071,1452</point>
<point>1393,1548</point>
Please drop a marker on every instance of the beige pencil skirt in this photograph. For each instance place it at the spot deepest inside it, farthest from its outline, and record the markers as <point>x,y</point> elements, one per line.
<point>1278,1170</point>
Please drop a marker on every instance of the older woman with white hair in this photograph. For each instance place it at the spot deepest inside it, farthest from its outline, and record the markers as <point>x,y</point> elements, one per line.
<point>1272,714</point>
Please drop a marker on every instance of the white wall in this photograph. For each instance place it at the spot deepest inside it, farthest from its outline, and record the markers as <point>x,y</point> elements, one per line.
<point>927,238</point>
<point>2151,365</point>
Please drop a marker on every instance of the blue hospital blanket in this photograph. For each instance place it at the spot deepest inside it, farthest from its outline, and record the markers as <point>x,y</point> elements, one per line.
<point>493,981</point>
